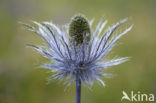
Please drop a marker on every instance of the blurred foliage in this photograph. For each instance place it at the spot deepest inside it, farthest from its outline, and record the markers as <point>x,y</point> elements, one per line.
<point>22,82</point>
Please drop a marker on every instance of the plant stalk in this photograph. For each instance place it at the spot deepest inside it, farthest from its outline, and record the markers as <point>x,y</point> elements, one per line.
<point>78,90</point>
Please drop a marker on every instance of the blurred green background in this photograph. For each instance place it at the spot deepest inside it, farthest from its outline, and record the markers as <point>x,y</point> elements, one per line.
<point>22,82</point>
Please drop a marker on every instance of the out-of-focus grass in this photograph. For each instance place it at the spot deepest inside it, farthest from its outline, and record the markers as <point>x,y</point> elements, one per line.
<point>22,82</point>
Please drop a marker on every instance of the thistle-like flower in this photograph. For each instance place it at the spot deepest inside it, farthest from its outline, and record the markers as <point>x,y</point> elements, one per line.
<point>77,53</point>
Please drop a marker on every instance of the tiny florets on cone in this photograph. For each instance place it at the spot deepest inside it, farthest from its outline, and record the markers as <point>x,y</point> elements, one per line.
<point>79,28</point>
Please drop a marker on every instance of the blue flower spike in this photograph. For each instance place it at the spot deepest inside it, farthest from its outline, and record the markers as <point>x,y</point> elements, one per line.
<point>77,52</point>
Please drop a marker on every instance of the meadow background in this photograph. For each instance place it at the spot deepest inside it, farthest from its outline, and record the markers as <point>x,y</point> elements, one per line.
<point>22,82</point>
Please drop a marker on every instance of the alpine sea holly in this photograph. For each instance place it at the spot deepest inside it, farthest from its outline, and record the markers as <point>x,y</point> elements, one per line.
<point>77,53</point>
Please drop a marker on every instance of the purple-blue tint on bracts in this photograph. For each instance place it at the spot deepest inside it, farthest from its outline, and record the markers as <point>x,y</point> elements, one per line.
<point>84,62</point>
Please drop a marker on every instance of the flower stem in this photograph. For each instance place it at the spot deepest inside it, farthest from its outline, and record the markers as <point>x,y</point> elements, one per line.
<point>78,90</point>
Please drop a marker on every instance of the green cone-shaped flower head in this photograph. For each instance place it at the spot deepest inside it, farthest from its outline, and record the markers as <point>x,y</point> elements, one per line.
<point>79,28</point>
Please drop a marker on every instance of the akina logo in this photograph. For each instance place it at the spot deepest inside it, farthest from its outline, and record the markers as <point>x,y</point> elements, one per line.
<point>138,96</point>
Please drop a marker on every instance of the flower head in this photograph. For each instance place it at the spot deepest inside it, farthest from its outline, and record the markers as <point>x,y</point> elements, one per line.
<point>78,29</point>
<point>75,51</point>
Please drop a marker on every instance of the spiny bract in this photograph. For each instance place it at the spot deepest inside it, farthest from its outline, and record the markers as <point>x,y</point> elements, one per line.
<point>86,61</point>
